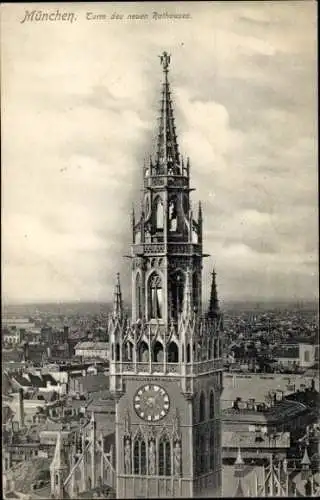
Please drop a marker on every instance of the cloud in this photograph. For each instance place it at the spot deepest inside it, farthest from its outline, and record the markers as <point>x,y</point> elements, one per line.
<point>80,111</point>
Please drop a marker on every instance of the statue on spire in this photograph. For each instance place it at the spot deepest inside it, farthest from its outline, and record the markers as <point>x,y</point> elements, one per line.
<point>165,59</point>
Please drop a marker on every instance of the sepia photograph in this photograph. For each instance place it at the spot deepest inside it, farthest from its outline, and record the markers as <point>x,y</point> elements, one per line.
<point>160,271</point>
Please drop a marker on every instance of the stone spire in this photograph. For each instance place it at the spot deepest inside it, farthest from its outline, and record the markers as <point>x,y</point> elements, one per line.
<point>59,462</point>
<point>117,312</point>
<point>213,310</point>
<point>167,157</point>
<point>238,465</point>
<point>305,460</point>
<point>58,469</point>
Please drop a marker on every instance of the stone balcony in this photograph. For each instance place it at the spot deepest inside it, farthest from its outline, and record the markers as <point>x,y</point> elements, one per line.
<point>174,369</point>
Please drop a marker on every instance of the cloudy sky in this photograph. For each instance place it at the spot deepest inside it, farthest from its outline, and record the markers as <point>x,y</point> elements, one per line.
<point>79,112</point>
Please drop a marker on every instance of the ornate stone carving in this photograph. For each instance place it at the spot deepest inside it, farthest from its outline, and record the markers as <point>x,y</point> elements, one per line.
<point>127,424</point>
<point>177,458</point>
<point>176,426</point>
<point>127,457</point>
<point>152,458</point>
<point>154,248</point>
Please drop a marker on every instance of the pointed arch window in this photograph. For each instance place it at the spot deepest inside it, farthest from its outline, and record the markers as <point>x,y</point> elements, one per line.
<point>155,297</point>
<point>202,407</point>
<point>129,351</point>
<point>158,352</point>
<point>172,215</point>
<point>117,352</point>
<point>138,296</point>
<point>139,457</point>
<point>210,349</point>
<point>164,458</point>
<point>188,353</point>
<point>202,454</point>
<point>215,352</point>
<point>173,353</point>
<point>159,214</point>
<point>177,293</point>
<point>196,292</point>
<point>211,406</point>
<point>212,450</point>
<point>143,352</point>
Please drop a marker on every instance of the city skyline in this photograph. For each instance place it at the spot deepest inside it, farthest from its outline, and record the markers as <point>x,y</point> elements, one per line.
<point>73,159</point>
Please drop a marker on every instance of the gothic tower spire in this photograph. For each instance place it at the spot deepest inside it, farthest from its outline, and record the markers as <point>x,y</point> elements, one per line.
<point>167,150</point>
<point>166,360</point>
<point>213,310</point>
<point>58,469</point>
<point>117,301</point>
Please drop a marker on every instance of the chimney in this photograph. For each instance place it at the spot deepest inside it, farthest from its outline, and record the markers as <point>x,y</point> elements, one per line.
<point>21,409</point>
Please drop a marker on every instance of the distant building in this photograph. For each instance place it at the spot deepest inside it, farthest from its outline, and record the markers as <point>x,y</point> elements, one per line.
<point>307,355</point>
<point>88,350</point>
<point>88,384</point>
<point>262,429</point>
<point>301,355</point>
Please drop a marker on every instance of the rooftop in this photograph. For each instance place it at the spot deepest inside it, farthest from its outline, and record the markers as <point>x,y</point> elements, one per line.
<point>247,439</point>
<point>25,474</point>
<point>279,411</point>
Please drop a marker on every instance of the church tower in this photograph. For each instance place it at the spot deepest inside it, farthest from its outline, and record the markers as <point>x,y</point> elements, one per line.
<point>166,361</point>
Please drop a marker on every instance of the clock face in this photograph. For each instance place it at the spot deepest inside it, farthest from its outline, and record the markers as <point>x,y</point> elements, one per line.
<point>151,403</point>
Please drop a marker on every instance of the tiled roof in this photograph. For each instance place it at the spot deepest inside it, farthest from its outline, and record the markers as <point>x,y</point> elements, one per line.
<point>24,382</point>
<point>36,381</point>
<point>46,377</point>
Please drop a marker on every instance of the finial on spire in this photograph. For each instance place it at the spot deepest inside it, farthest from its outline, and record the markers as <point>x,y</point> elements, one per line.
<point>165,59</point>
<point>305,460</point>
<point>238,465</point>
<point>239,460</point>
<point>168,157</point>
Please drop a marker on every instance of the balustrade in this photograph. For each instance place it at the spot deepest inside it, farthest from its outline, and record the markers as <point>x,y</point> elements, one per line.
<point>173,248</point>
<point>143,367</point>
<point>157,368</point>
<point>127,367</point>
<point>173,368</point>
<point>154,248</point>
